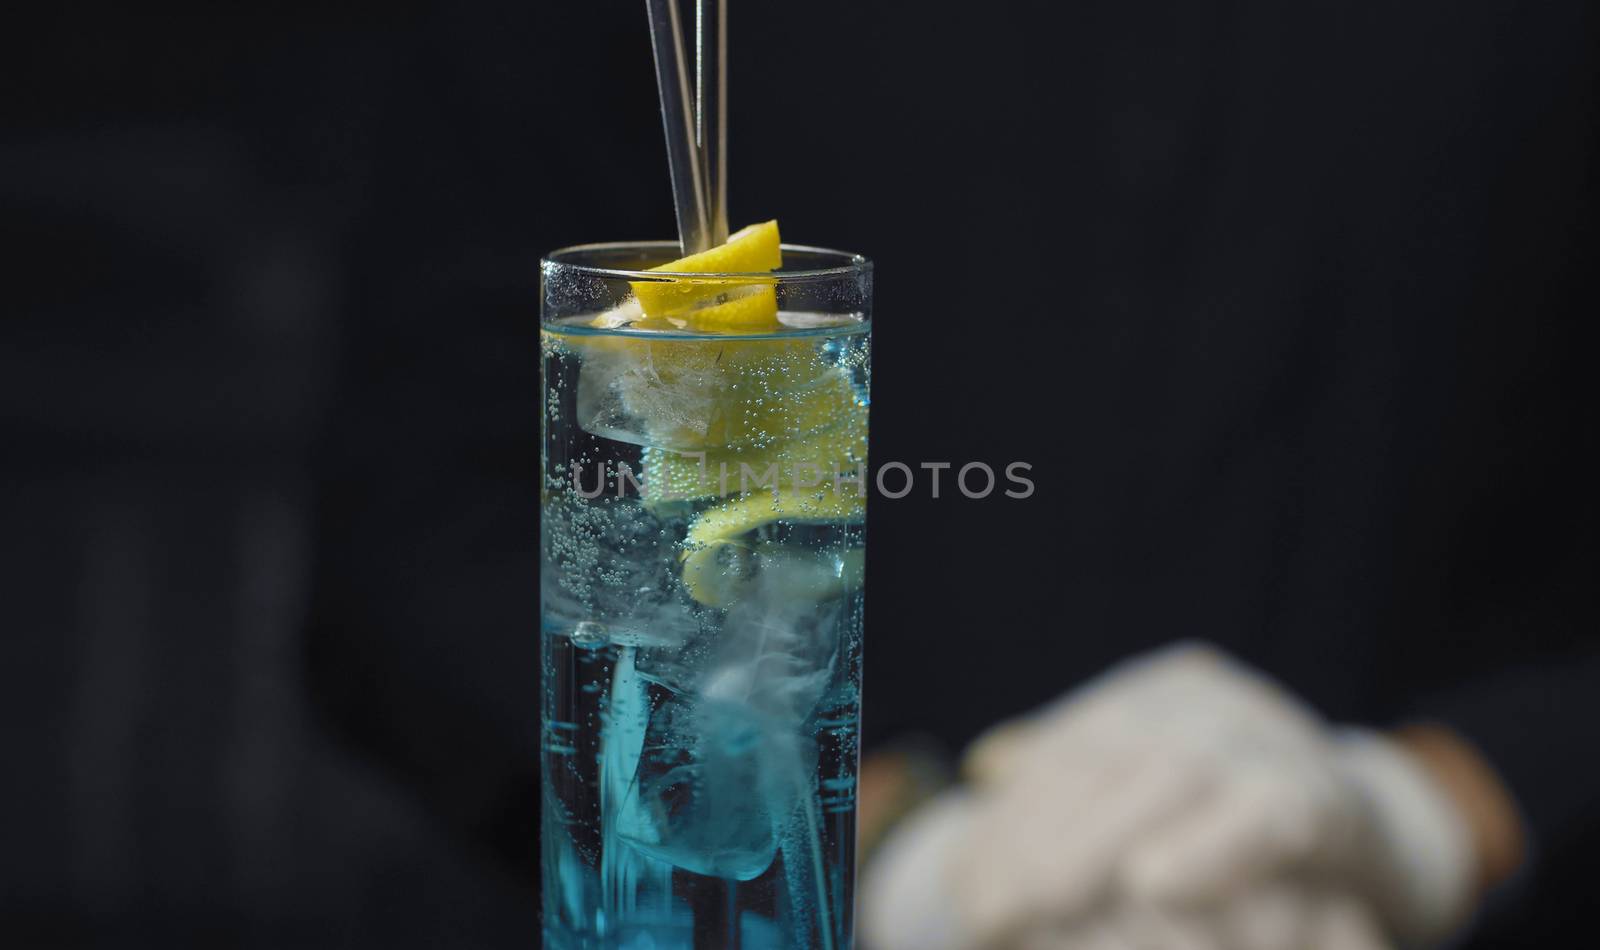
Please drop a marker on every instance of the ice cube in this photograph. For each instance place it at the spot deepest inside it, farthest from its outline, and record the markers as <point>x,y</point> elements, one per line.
<point>710,790</point>
<point>727,763</point>
<point>667,393</point>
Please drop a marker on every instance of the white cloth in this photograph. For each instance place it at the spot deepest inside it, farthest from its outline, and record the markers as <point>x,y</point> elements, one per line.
<point>1176,788</point>
<point>907,905</point>
<point>1277,916</point>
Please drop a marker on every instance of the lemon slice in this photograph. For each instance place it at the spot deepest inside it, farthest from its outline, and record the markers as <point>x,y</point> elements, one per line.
<point>743,309</point>
<point>750,511</point>
<point>810,433</point>
<point>713,565</point>
<point>747,251</point>
<point>726,571</point>
<point>737,304</point>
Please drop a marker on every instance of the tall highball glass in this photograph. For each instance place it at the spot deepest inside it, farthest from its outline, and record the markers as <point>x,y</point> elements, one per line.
<point>702,550</point>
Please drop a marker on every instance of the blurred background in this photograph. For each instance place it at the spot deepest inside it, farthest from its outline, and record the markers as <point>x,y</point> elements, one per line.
<point>1281,302</point>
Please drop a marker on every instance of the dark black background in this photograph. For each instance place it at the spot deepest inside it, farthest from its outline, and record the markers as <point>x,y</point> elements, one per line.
<point>1281,302</point>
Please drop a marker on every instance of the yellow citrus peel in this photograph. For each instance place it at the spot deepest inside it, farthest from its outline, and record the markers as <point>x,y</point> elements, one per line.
<point>742,304</point>
<point>717,560</point>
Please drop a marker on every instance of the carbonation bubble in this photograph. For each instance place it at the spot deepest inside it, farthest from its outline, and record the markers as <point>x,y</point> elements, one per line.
<point>588,634</point>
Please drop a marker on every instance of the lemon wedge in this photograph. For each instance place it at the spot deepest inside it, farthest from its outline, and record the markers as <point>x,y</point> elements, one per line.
<point>750,511</point>
<point>716,558</point>
<point>809,432</point>
<point>727,571</point>
<point>743,309</point>
<point>733,304</point>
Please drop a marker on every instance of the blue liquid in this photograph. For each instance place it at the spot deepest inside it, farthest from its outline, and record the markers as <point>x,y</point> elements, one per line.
<point>700,744</point>
<point>717,832</point>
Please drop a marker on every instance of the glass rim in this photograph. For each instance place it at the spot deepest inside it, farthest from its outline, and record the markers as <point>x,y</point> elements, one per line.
<point>852,264</point>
